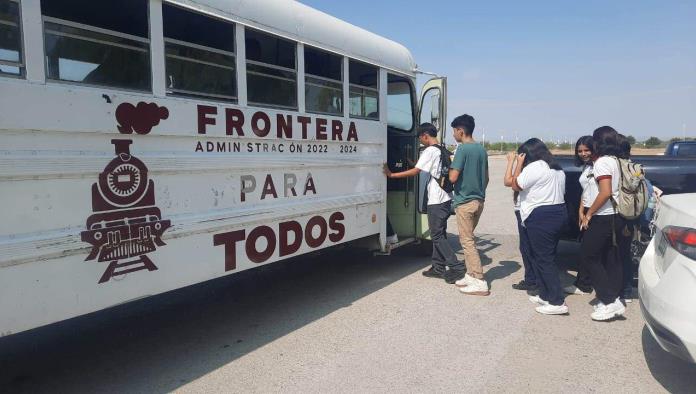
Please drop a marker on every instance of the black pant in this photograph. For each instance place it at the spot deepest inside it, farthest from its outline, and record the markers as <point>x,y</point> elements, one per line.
<point>443,255</point>
<point>627,232</point>
<point>600,256</point>
<point>543,231</point>
<point>583,281</point>
<point>529,276</point>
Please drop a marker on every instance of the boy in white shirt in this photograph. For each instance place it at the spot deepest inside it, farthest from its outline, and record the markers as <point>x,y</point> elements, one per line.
<point>439,203</point>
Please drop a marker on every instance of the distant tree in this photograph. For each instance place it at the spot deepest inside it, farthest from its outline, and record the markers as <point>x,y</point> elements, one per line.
<point>653,142</point>
<point>631,139</point>
<point>675,139</point>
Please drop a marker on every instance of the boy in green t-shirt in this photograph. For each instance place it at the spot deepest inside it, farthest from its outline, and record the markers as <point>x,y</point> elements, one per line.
<point>469,174</point>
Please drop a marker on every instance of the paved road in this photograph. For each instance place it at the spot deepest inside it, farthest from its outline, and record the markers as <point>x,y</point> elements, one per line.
<point>347,322</point>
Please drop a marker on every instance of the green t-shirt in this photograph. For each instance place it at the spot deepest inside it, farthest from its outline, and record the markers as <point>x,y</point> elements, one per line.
<point>472,162</point>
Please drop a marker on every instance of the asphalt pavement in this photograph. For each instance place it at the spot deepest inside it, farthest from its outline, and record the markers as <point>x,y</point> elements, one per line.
<point>346,321</point>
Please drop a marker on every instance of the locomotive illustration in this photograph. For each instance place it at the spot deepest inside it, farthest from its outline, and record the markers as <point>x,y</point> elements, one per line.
<point>126,225</point>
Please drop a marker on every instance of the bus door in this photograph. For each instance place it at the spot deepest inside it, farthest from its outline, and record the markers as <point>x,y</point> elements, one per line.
<point>432,109</point>
<point>402,153</point>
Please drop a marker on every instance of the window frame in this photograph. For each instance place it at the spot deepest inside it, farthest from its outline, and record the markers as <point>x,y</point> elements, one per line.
<point>202,95</point>
<point>98,30</point>
<point>413,100</point>
<point>325,79</point>
<point>22,65</point>
<point>296,70</point>
<point>363,87</point>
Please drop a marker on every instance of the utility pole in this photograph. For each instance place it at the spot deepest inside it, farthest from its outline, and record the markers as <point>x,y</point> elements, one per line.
<point>683,131</point>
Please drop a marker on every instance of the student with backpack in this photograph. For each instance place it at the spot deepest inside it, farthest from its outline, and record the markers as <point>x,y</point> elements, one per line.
<point>438,204</point>
<point>469,174</point>
<point>641,196</point>
<point>599,253</point>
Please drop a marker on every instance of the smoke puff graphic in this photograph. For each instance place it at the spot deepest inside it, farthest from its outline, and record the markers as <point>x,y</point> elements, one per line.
<point>141,118</point>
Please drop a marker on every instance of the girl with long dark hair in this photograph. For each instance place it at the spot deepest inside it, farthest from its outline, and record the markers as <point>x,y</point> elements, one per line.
<point>599,254</point>
<point>540,182</point>
<point>584,155</point>
<point>529,281</point>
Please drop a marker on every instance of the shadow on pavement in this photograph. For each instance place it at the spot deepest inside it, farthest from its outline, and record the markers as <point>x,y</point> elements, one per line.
<point>674,374</point>
<point>502,270</point>
<point>162,342</point>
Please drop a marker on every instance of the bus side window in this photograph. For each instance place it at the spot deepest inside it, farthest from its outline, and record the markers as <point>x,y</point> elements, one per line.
<point>364,90</point>
<point>10,39</point>
<point>199,54</point>
<point>103,43</point>
<point>323,82</point>
<point>399,103</point>
<point>271,70</point>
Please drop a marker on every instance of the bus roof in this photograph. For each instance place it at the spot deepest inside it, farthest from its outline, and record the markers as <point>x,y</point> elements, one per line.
<point>307,25</point>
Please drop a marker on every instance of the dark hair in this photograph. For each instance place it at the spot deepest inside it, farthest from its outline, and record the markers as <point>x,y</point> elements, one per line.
<point>465,122</point>
<point>624,147</point>
<point>427,128</point>
<point>534,149</point>
<point>588,142</point>
<point>605,139</point>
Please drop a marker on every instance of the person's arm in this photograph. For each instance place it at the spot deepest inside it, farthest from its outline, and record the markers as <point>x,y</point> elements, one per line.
<point>507,178</point>
<point>403,174</point>
<point>581,214</point>
<point>518,170</point>
<point>453,175</point>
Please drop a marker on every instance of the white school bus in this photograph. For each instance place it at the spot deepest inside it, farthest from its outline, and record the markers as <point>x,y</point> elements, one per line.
<point>148,145</point>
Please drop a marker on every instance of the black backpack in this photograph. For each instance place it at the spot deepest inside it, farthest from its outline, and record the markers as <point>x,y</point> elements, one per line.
<point>445,163</point>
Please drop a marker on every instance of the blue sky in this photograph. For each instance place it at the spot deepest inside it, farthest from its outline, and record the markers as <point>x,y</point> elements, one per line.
<point>550,69</point>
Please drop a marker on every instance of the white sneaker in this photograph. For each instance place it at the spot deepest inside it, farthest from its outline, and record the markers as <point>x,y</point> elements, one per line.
<point>572,289</point>
<point>606,312</point>
<point>392,239</point>
<point>549,309</point>
<point>465,281</point>
<point>537,300</point>
<point>477,287</point>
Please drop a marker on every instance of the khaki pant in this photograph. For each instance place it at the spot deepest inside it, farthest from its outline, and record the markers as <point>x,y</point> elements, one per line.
<point>468,215</point>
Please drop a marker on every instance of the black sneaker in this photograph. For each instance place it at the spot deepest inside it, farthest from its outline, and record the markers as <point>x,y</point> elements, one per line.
<point>453,276</point>
<point>523,285</point>
<point>433,273</point>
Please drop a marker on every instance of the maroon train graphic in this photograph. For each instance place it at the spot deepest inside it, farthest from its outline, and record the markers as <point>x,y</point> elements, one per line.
<point>126,224</point>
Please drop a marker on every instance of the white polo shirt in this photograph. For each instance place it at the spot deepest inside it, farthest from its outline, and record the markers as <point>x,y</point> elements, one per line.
<point>429,161</point>
<point>540,186</point>
<point>589,186</point>
<point>606,167</point>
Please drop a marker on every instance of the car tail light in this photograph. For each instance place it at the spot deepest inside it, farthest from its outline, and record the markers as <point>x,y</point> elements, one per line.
<point>682,239</point>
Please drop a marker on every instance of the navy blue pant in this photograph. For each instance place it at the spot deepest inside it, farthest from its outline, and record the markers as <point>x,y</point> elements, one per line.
<point>529,276</point>
<point>543,231</point>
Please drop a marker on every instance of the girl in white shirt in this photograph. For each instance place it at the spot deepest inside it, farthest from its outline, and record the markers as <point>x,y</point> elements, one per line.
<point>540,182</point>
<point>529,282</point>
<point>584,156</point>
<point>599,247</point>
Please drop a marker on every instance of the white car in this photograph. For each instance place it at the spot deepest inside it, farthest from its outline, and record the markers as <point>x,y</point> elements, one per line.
<point>667,277</point>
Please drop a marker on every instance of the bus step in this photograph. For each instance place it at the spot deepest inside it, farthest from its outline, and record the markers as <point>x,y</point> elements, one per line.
<point>389,247</point>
